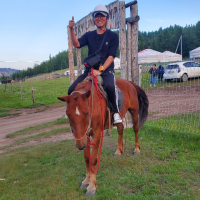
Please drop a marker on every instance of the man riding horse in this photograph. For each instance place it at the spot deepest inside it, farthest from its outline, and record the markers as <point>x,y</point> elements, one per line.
<point>86,109</point>
<point>93,40</point>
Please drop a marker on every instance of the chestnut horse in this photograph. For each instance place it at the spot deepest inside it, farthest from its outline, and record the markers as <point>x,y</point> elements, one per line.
<point>87,118</point>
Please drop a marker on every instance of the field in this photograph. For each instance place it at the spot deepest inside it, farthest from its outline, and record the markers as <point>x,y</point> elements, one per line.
<point>41,161</point>
<point>168,168</point>
<point>45,94</point>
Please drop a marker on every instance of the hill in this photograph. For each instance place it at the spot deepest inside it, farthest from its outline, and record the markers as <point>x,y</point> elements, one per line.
<point>8,71</point>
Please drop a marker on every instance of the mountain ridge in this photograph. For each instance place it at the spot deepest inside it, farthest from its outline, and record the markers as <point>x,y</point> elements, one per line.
<point>8,71</point>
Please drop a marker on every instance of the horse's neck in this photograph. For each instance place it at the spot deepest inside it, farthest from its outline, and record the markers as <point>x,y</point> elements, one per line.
<point>95,98</point>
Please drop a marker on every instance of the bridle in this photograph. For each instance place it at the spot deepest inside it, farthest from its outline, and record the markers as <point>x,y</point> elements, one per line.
<point>90,120</point>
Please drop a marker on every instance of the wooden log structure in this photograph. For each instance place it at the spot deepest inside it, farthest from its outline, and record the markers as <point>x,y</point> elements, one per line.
<point>122,40</point>
<point>132,42</point>
<point>79,64</point>
<point>71,57</point>
<point>129,51</point>
<point>132,19</point>
<point>130,4</point>
<point>128,46</point>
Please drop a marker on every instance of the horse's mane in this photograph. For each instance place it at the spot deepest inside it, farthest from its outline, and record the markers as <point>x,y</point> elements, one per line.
<point>82,85</point>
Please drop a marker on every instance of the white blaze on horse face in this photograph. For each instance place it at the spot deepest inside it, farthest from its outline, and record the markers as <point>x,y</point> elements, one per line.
<point>77,111</point>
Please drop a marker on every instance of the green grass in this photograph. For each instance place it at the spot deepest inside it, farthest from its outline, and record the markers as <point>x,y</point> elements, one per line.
<point>45,93</point>
<point>168,168</point>
<point>188,123</point>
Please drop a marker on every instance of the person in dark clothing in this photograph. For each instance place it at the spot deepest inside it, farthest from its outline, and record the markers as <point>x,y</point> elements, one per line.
<point>153,72</point>
<point>160,72</point>
<point>93,40</point>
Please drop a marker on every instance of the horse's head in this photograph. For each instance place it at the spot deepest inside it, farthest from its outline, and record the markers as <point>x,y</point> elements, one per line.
<point>78,114</point>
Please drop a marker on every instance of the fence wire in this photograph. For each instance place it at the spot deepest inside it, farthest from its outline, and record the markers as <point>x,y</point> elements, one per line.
<point>173,104</point>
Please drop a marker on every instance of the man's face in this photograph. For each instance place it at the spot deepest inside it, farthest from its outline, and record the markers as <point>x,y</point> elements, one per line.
<point>100,20</point>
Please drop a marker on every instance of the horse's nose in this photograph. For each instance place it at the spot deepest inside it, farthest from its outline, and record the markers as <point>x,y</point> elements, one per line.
<point>81,147</point>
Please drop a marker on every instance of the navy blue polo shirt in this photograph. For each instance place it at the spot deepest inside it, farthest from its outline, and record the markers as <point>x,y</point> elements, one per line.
<point>93,41</point>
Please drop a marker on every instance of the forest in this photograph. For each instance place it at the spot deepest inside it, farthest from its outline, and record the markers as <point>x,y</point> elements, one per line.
<point>161,40</point>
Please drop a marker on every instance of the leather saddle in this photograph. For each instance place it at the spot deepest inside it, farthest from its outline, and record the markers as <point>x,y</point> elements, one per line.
<point>104,94</point>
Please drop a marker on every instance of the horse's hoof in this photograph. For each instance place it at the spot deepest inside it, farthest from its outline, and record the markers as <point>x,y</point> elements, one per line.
<point>136,153</point>
<point>83,186</point>
<point>117,155</point>
<point>90,193</point>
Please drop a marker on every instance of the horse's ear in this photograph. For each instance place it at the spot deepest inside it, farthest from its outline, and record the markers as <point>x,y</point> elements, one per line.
<point>64,98</point>
<point>86,95</point>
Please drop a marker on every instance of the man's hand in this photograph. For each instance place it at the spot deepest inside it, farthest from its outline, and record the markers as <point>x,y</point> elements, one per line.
<point>96,72</point>
<point>71,23</point>
<point>75,41</point>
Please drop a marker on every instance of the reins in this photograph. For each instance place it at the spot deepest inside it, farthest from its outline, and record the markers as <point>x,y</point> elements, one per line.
<point>89,143</point>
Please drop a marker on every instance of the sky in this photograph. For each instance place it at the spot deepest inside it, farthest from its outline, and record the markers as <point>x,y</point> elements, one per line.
<point>32,30</point>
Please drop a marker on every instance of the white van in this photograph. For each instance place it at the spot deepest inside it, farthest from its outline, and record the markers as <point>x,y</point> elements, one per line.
<point>182,71</point>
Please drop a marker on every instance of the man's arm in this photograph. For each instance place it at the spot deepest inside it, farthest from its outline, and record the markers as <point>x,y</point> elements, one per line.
<point>75,41</point>
<point>106,64</point>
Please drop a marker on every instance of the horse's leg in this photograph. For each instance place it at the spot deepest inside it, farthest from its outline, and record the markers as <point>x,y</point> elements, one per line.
<point>91,189</point>
<point>120,128</point>
<point>134,115</point>
<point>90,180</point>
<point>86,182</point>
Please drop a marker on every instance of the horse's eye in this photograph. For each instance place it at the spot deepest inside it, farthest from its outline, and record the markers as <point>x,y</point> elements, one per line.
<point>86,114</point>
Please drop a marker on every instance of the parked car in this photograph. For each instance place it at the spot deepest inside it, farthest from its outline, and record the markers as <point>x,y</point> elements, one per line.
<point>182,71</point>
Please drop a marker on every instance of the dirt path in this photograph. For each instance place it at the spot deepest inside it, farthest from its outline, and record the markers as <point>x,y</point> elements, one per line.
<point>27,118</point>
<point>163,102</point>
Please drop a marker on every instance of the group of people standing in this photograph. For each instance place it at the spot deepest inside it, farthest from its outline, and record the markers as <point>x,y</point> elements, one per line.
<point>156,72</point>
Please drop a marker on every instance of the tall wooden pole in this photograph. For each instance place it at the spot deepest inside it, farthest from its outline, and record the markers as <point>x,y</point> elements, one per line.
<point>71,57</point>
<point>129,52</point>
<point>134,30</point>
<point>79,64</point>
<point>122,39</point>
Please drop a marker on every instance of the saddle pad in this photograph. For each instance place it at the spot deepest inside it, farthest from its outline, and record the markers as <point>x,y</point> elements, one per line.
<point>104,94</point>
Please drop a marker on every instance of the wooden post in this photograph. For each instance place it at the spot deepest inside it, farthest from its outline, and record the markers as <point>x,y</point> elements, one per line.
<point>33,97</point>
<point>11,88</point>
<point>5,83</point>
<point>79,64</point>
<point>129,51</point>
<point>122,39</point>
<point>134,30</point>
<point>21,89</point>
<point>71,56</point>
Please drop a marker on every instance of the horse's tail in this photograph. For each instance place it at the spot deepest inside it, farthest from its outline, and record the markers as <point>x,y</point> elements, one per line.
<point>143,104</point>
